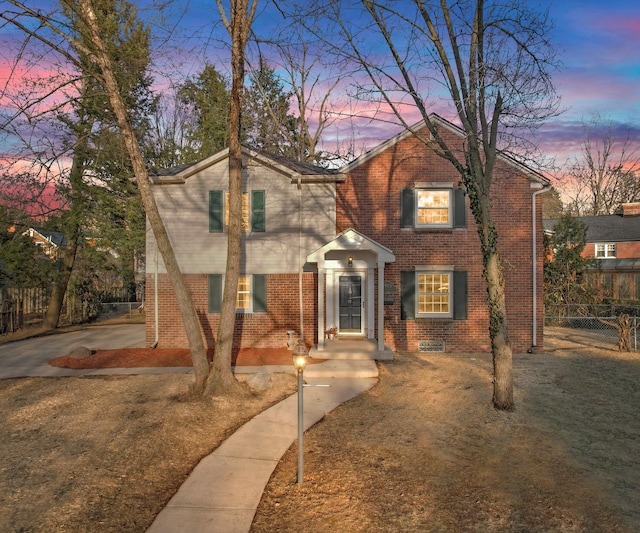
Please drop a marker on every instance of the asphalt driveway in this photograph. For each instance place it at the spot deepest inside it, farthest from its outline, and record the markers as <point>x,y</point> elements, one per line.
<point>28,358</point>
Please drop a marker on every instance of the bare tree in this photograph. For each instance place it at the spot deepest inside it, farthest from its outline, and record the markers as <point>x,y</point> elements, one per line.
<point>606,174</point>
<point>491,61</point>
<point>238,24</point>
<point>54,34</point>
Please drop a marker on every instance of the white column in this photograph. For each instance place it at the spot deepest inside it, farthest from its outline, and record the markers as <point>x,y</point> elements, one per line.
<point>321,327</point>
<point>370,303</point>
<point>381,306</point>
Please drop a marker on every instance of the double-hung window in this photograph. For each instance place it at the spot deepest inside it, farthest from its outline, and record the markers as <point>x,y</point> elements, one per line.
<point>251,295</point>
<point>605,250</point>
<point>253,211</point>
<point>433,292</point>
<point>433,206</point>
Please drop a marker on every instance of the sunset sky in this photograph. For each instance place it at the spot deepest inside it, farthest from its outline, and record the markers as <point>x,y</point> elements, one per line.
<point>599,47</point>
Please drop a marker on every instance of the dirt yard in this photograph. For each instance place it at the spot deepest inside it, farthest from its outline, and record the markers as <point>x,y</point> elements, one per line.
<point>422,451</point>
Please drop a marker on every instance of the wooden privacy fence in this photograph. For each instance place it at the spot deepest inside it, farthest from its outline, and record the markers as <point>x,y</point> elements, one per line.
<point>11,317</point>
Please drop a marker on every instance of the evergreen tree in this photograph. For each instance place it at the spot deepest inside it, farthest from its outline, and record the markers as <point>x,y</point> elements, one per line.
<point>206,99</point>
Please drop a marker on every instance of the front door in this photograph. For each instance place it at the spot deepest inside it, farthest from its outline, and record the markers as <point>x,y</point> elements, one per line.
<point>350,304</point>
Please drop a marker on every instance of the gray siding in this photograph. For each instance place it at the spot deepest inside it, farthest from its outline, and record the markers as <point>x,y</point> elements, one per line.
<point>185,210</point>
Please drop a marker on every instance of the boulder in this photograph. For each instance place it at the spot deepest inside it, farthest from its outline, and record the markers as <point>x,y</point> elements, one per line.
<point>80,352</point>
<point>260,382</point>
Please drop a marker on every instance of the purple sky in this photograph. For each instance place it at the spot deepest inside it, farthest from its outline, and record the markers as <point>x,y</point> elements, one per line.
<point>599,43</point>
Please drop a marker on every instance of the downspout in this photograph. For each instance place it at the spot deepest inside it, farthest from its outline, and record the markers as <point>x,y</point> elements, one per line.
<point>300,264</point>
<point>534,263</point>
<point>155,302</point>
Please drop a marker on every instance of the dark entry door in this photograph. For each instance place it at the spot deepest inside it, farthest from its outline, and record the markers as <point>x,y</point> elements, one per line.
<point>350,310</point>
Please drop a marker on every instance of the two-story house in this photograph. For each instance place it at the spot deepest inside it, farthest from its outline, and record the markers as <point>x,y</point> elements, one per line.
<point>613,242</point>
<point>384,249</point>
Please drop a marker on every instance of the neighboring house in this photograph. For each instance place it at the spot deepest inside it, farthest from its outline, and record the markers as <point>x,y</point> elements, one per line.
<point>613,241</point>
<point>388,245</point>
<point>50,241</point>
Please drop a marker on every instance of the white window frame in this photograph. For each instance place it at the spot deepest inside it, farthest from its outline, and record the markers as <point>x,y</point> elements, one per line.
<point>429,271</point>
<point>434,187</point>
<point>605,250</point>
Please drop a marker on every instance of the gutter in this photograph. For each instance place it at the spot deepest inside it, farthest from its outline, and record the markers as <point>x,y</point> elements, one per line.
<point>534,261</point>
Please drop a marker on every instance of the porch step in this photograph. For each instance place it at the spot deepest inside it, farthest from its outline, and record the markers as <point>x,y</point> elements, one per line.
<point>342,369</point>
<point>351,350</point>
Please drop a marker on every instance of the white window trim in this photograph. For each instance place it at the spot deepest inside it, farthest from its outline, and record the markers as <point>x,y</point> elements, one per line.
<point>434,270</point>
<point>604,247</point>
<point>444,187</point>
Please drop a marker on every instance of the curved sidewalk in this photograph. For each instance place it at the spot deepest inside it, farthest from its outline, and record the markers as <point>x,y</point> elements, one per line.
<point>222,493</point>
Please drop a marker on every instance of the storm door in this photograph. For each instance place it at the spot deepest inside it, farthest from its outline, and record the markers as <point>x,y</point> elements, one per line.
<point>350,304</point>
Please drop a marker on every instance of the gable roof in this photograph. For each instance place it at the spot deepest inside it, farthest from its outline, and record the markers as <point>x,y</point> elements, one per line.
<point>350,239</point>
<point>606,228</point>
<point>295,170</point>
<point>531,174</point>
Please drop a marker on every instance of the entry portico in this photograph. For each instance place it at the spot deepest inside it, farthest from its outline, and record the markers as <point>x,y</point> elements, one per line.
<point>346,286</point>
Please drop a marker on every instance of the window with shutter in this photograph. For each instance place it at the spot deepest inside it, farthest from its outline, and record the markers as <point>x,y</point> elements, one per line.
<point>433,294</point>
<point>433,207</point>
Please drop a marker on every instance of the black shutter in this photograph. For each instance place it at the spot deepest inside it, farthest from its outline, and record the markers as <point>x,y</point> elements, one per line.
<point>216,211</point>
<point>258,221</point>
<point>215,293</point>
<point>459,208</point>
<point>408,295</point>
<point>259,293</point>
<point>407,207</point>
<point>460,295</point>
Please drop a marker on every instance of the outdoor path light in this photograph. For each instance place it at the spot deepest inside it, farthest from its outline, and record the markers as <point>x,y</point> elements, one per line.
<point>300,357</point>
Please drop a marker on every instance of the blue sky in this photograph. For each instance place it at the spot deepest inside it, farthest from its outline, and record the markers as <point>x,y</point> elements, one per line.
<point>599,45</point>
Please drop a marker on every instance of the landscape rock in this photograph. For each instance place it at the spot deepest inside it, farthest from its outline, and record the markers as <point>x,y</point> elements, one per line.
<point>80,352</point>
<point>260,382</point>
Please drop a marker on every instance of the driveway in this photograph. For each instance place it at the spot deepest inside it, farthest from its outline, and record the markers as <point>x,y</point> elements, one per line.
<point>28,358</point>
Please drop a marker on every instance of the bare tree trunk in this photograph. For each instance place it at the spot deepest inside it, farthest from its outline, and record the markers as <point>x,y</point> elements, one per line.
<point>221,380</point>
<point>72,229</point>
<point>56,299</point>
<point>183,296</point>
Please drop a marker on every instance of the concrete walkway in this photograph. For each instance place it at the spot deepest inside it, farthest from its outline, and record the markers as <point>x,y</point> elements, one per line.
<point>222,493</point>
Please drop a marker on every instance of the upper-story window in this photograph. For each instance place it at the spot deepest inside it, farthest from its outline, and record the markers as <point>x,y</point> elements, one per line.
<point>605,250</point>
<point>253,211</point>
<point>433,206</point>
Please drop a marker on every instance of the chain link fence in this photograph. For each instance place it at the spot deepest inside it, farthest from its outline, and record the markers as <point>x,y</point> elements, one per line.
<point>586,321</point>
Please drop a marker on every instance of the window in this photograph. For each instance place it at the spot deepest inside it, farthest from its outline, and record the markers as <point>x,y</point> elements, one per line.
<point>434,296</point>
<point>243,300</point>
<point>605,250</point>
<point>245,211</point>
<point>433,293</point>
<point>433,206</point>
<point>251,295</point>
<point>253,211</point>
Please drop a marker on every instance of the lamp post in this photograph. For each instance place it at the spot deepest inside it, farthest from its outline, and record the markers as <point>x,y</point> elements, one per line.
<point>300,356</point>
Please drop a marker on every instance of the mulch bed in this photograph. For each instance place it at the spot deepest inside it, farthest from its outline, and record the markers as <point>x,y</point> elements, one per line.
<point>170,357</point>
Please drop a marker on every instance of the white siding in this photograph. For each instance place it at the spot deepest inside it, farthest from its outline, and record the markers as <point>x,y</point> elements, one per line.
<point>185,210</point>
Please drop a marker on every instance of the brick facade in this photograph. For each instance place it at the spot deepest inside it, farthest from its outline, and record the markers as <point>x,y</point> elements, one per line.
<point>369,201</point>
<point>254,330</point>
